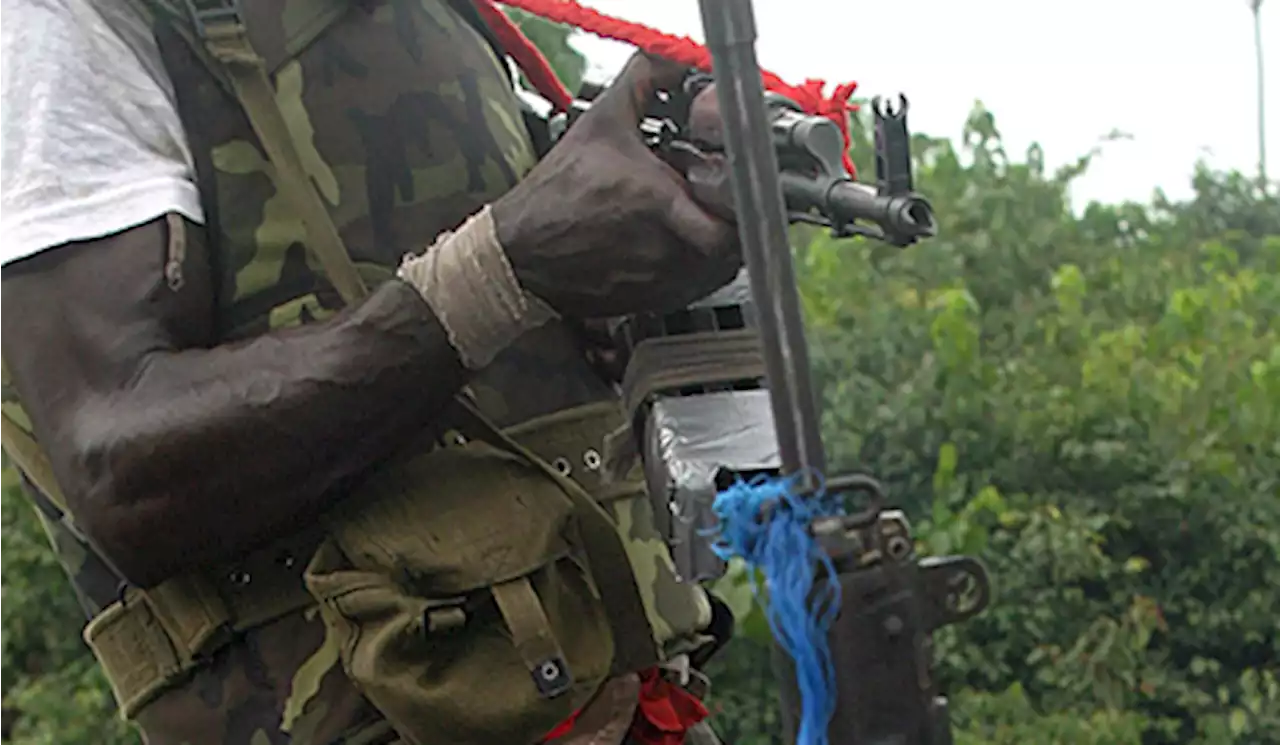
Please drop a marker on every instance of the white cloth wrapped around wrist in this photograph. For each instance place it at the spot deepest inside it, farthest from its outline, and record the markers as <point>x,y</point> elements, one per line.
<point>468,282</point>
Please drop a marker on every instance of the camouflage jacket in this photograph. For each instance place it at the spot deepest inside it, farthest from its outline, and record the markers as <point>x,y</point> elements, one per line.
<point>411,125</point>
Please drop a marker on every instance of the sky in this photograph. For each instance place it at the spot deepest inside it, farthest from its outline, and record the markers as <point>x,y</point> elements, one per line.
<point>1177,75</point>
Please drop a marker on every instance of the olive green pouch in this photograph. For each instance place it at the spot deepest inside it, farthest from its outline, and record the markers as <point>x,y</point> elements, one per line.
<point>462,602</point>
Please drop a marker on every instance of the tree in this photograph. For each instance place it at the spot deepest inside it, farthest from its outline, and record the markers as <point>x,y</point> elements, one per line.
<point>552,39</point>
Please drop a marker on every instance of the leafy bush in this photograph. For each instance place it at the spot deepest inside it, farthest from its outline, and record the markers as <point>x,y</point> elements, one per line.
<point>1092,405</point>
<point>54,693</point>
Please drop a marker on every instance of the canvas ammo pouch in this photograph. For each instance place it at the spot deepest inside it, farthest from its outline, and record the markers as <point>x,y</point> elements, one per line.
<point>475,592</point>
<point>462,594</point>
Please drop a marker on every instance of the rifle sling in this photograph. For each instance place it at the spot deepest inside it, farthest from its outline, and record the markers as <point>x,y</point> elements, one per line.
<point>228,42</point>
<point>32,462</point>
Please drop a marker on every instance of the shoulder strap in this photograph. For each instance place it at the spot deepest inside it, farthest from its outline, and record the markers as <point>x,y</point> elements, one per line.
<point>30,460</point>
<point>178,16</point>
<point>26,454</point>
<point>220,25</point>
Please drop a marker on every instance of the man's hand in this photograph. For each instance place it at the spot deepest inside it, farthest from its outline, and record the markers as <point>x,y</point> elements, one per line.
<point>603,227</point>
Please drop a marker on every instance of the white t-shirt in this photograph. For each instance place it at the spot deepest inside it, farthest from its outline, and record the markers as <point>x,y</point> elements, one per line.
<point>92,143</point>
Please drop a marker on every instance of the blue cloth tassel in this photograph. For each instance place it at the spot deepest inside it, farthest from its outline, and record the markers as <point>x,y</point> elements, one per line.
<point>779,544</point>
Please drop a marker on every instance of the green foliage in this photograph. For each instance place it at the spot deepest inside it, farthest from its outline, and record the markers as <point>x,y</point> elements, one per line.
<point>1092,405</point>
<point>54,693</point>
<point>1010,718</point>
<point>552,39</point>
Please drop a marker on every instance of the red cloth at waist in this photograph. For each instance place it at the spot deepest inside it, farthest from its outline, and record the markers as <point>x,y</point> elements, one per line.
<point>664,714</point>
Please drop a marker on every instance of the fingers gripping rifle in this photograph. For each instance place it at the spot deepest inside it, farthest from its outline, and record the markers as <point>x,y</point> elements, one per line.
<point>809,152</point>
<point>786,167</point>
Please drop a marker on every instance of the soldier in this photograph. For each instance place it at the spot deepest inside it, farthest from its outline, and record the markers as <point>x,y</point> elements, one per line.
<point>296,375</point>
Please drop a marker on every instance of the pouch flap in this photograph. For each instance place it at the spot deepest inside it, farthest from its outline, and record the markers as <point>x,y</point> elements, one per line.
<point>458,519</point>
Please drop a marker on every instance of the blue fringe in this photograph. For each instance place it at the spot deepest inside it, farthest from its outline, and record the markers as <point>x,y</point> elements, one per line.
<point>782,548</point>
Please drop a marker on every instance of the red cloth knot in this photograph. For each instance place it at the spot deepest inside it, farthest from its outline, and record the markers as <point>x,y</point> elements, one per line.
<point>666,712</point>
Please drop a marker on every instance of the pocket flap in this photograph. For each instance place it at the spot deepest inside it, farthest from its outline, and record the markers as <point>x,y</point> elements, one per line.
<point>455,520</point>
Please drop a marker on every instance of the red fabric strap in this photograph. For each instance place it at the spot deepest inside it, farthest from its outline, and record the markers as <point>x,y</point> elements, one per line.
<point>666,712</point>
<point>680,49</point>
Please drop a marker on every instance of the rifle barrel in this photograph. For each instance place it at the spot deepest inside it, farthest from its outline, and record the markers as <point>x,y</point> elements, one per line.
<point>903,215</point>
<point>730,31</point>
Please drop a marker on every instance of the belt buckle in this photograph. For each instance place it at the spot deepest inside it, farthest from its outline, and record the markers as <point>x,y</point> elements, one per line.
<point>206,13</point>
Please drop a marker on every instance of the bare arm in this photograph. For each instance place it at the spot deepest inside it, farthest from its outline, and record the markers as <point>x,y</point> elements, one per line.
<point>173,452</point>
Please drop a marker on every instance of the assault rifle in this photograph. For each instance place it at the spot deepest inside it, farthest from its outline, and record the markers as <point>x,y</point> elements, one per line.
<point>704,415</point>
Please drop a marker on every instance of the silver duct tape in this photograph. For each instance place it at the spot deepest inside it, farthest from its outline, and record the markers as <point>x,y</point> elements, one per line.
<point>689,443</point>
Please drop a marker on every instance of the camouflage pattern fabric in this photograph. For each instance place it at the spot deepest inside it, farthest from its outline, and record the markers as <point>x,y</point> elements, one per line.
<point>407,124</point>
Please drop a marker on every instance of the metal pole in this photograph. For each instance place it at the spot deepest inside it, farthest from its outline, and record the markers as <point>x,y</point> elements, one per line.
<point>1262,96</point>
<point>762,228</point>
